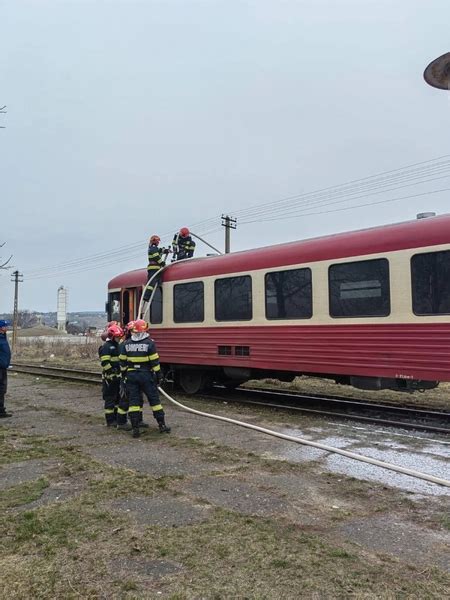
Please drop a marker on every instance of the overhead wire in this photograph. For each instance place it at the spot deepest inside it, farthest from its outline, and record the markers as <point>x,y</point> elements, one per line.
<point>430,164</point>
<point>348,207</point>
<point>385,186</point>
<point>290,207</point>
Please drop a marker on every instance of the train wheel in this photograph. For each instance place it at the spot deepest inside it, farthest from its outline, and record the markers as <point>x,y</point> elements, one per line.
<point>192,381</point>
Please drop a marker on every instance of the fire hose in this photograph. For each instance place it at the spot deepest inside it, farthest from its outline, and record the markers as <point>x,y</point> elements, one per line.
<point>297,440</point>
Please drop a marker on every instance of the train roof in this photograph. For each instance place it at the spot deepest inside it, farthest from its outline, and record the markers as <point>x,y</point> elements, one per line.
<point>431,231</point>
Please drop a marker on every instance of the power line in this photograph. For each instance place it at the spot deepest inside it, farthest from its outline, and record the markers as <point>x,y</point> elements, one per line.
<point>350,207</point>
<point>388,174</point>
<point>382,182</point>
<point>386,185</point>
<point>298,211</point>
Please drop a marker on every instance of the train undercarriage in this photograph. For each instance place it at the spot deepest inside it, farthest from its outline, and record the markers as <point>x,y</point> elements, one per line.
<point>194,380</point>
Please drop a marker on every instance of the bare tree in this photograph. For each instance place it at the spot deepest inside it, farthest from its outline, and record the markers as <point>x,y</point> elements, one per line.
<point>2,111</point>
<point>3,266</point>
<point>27,318</point>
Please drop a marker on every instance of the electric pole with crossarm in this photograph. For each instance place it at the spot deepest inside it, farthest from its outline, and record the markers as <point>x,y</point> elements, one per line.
<point>16,279</point>
<point>229,223</point>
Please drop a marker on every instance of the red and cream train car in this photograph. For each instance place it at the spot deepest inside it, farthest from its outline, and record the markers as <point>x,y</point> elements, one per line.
<point>368,308</point>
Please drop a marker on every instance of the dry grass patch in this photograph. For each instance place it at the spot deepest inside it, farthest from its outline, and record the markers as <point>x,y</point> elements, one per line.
<point>439,398</point>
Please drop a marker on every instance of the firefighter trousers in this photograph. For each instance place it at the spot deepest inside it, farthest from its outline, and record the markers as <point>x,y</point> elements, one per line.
<point>111,397</point>
<point>139,382</point>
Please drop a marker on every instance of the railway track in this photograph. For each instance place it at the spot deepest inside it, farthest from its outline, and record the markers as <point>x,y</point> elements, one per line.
<point>331,406</point>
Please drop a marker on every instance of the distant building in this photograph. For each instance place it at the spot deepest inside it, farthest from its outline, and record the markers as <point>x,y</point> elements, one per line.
<point>61,310</point>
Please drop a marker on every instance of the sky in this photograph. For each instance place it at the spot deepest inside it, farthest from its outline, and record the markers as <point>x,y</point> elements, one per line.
<point>128,118</point>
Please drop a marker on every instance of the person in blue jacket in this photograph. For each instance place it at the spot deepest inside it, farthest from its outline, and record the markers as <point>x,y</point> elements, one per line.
<point>5,359</point>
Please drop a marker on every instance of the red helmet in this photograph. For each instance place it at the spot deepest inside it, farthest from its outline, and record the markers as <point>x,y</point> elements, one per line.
<point>114,331</point>
<point>155,239</point>
<point>184,232</point>
<point>111,323</point>
<point>139,326</point>
<point>129,326</point>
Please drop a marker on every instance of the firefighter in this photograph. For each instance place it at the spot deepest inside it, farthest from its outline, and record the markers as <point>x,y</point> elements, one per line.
<point>183,245</point>
<point>110,362</point>
<point>122,409</point>
<point>155,263</point>
<point>5,359</point>
<point>140,363</point>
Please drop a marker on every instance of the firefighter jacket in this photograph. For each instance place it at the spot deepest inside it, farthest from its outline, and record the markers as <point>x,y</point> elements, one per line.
<point>183,247</point>
<point>5,352</point>
<point>109,359</point>
<point>139,355</point>
<point>155,259</point>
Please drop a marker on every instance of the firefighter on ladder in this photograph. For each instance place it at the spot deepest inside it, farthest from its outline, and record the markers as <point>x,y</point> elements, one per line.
<point>140,366</point>
<point>155,263</point>
<point>183,246</point>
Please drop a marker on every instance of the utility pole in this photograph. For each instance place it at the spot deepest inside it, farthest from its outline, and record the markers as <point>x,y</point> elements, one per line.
<point>17,279</point>
<point>229,223</point>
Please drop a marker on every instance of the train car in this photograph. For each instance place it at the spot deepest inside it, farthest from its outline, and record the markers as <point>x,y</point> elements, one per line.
<point>368,308</point>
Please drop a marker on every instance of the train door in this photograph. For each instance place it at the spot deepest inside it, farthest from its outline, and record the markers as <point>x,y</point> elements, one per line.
<point>129,306</point>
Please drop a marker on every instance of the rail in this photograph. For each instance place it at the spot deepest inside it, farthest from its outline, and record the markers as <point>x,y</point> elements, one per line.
<point>94,377</point>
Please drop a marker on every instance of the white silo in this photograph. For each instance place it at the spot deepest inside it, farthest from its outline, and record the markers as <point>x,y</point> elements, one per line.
<point>61,311</point>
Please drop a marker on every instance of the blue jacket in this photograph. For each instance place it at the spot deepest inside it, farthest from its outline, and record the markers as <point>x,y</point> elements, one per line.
<point>5,352</point>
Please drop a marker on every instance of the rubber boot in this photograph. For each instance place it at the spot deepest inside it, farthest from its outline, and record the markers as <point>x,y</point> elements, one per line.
<point>142,423</point>
<point>124,427</point>
<point>163,428</point>
<point>111,420</point>
<point>134,418</point>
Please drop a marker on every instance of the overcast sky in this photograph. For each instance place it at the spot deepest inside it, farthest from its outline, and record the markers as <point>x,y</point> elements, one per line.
<point>129,118</point>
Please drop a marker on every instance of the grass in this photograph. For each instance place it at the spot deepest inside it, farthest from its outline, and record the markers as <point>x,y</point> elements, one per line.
<point>22,494</point>
<point>16,448</point>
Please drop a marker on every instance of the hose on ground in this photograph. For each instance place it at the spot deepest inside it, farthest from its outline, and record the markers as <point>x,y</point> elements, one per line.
<point>297,440</point>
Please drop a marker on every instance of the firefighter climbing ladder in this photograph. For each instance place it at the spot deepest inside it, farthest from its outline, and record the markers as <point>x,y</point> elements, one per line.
<point>144,307</point>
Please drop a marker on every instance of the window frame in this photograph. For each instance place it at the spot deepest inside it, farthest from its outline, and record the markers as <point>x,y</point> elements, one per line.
<point>385,260</point>
<point>268,273</point>
<point>417,314</point>
<point>160,289</point>
<point>202,283</point>
<point>219,279</point>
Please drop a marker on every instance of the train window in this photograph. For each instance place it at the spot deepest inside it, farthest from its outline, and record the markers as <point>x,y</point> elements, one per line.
<point>188,302</point>
<point>430,277</point>
<point>233,298</point>
<point>360,289</point>
<point>156,314</point>
<point>289,294</point>
<point>114,306</point>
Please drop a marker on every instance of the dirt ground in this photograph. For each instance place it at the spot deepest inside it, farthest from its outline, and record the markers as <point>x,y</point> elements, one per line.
<point>210,511</point>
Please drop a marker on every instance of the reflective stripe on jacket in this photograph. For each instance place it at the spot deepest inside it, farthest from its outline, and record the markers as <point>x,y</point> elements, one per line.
<point>139,355</point>
<point>155,259</point>
<point>109,359</point>
<point>183,247</point>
